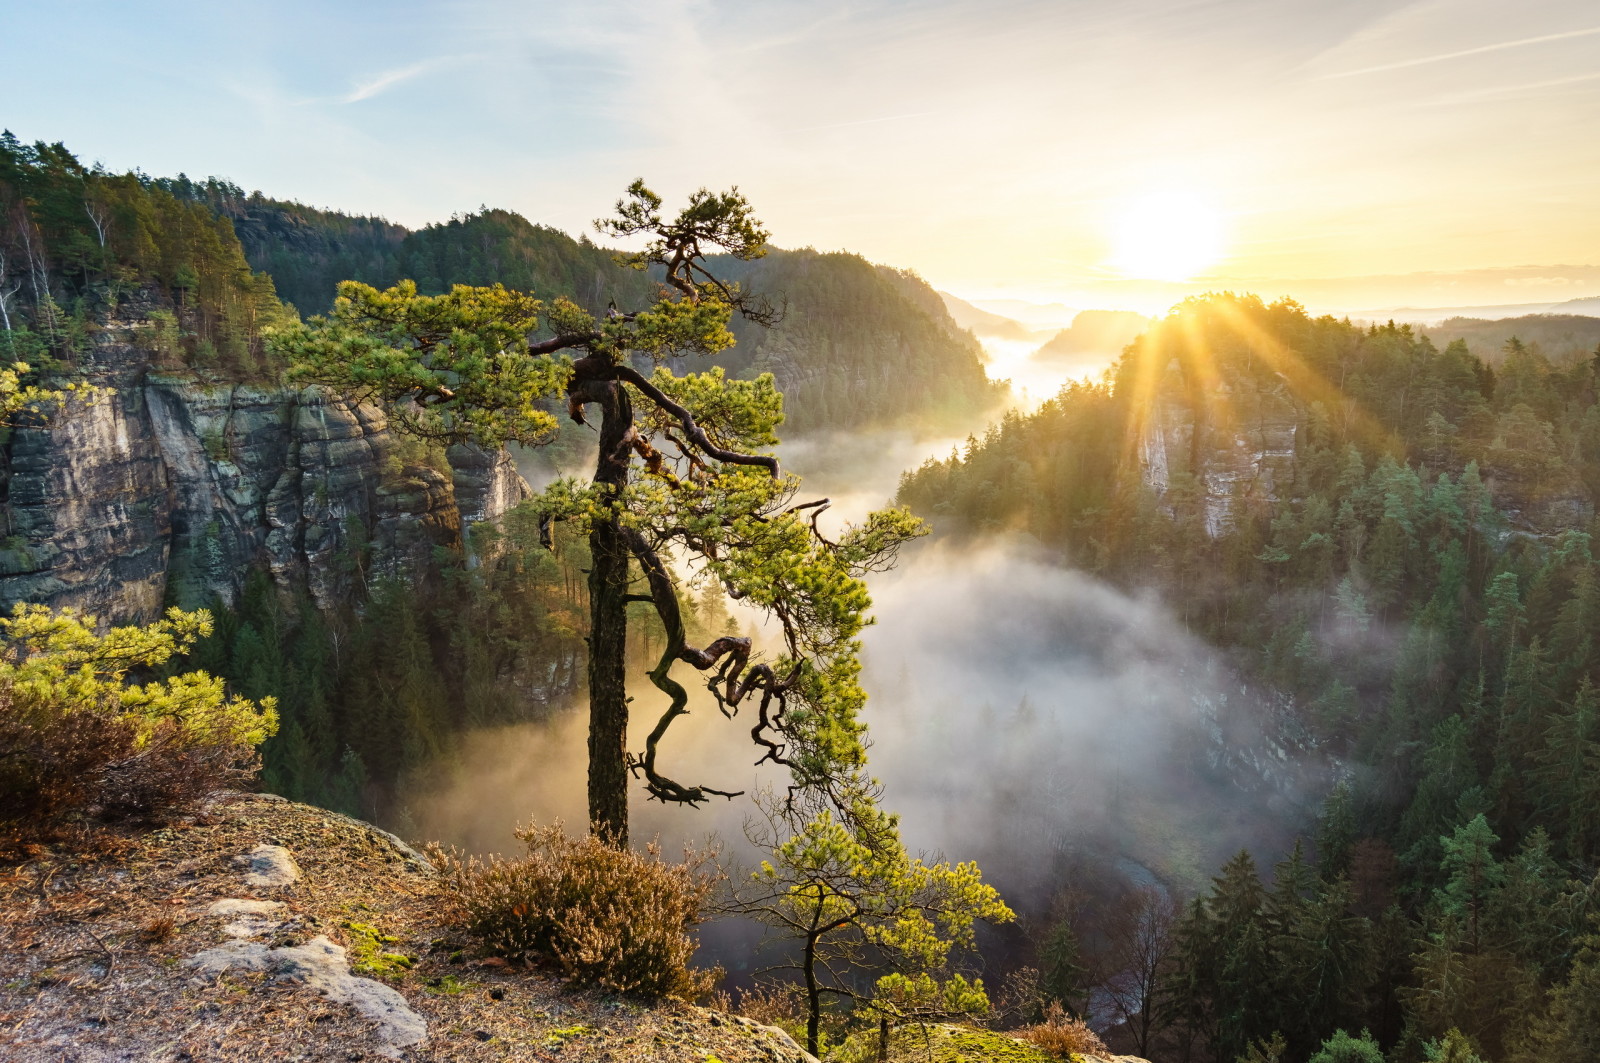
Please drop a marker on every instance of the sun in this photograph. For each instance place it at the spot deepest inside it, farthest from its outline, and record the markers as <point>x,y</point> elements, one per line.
<point>1168,235</point>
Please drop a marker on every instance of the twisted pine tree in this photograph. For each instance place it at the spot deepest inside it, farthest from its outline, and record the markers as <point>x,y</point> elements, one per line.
<point>682,472</point>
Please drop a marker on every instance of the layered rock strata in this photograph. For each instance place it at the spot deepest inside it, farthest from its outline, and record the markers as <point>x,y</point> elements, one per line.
<point>171,487</point>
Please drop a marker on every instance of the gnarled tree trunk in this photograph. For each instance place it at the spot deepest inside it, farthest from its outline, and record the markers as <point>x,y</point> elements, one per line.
<point>608,616</point>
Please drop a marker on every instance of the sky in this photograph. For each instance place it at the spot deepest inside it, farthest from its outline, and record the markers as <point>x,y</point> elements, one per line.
<point>1093,153</point>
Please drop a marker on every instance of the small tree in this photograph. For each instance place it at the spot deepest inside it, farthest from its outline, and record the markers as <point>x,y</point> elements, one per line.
<point>1140,942</point>
<point>854,899</point>
<point>679,473</point>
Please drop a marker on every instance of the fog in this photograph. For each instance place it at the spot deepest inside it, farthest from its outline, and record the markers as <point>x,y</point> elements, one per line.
<point>1021,713</point>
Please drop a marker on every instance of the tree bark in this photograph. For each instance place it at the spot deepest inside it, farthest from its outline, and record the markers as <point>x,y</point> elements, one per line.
<point>608,619</point>
<point>813,997</point>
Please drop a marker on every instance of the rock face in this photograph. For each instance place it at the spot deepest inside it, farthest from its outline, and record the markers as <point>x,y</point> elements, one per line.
<point>174,487</point>
<point>1238,441</point>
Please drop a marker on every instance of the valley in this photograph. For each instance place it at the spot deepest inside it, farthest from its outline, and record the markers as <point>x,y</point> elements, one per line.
<point>1249,648</point>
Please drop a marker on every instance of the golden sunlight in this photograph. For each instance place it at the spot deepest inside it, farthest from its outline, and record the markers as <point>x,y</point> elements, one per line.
<point>1168,235</point>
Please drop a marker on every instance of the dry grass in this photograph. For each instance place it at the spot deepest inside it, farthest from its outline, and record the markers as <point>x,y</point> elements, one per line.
<point>1064,1036</point>
<point>159,929</point>
<point>774,1004</point>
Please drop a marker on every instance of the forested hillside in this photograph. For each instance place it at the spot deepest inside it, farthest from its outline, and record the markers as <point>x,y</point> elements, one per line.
<point>306,251</point>
<point>1558,336</point>
<point>860,344</point>
<point>1400,539</point>
<point>856,343</point>
<point>330,551</point>
<point>76,242</point>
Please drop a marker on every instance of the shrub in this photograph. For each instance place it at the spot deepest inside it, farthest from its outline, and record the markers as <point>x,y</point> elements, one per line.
<point>79,742</point>
<point>769,1003</point>
<point>1063,1035</point>
<point>610,918</point>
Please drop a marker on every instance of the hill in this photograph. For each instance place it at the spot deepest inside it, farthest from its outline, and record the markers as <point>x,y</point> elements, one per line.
<point>1393,543</point>
<point>983,323</point>
<point>858,345</point>
<point>1560,337</point>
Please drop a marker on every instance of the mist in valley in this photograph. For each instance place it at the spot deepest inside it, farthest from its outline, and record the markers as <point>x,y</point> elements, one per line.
<point>1022,714</point>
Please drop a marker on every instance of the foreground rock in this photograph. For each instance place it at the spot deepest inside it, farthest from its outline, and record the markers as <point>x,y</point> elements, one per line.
<point>156,948</point>
<point>321,965</point>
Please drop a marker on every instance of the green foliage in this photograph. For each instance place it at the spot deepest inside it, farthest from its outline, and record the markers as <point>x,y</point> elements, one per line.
<point>1265,1050</point>
<point>939,1043</point>
<point>76,243</point>
<point>608,917</point>
<point>850,894</point>
<point>17,396</point>
<point>455,366</point>
<point>371,694</point>
<point>1342,1048</point>
<point>1453,1047</point>
<point>83,740</point>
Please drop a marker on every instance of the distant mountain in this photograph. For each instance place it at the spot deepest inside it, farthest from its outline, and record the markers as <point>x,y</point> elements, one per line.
<point>1434,315</point>
<point>1096,332</point>
<point>1589,305</point>
<point>1559,337</point>
<point>1040,317</point>
<point>982,323</point>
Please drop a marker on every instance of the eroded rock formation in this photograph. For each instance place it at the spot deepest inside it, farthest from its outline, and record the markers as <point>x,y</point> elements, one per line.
<point>170,487</point>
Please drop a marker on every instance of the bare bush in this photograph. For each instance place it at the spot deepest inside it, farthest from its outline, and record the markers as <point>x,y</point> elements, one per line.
<point>1062,1035</point>
<point>612,918</point>
<point>61,762</point>
<point>769,1003</point>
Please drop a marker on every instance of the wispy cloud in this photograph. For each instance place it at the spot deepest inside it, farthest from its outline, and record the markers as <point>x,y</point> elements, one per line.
<point>1501,91</point>
<point>390,78</point>
<point>1443,56</point>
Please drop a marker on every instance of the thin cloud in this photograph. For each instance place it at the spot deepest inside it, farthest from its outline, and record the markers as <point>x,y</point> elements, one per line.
<point>390,78</point>
<point>1424,60</point>
<point>1511,90</point>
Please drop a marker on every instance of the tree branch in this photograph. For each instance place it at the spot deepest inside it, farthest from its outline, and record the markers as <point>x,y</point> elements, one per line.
<point>686,420</point>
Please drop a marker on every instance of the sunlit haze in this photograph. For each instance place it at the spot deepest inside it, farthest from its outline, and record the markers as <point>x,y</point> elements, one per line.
<point>1169,235</point>
<point>1121,155</point>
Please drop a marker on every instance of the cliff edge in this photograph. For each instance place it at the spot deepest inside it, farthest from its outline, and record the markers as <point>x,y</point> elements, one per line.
<point>262,929</point>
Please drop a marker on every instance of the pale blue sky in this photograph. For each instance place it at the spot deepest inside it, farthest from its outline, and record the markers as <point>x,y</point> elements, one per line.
<point>988,145</point>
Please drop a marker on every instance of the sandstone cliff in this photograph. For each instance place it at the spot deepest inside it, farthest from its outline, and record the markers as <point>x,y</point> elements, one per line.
<point>177,483</point>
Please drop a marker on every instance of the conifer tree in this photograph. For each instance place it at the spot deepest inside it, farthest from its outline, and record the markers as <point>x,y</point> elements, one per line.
<point>680,473</point>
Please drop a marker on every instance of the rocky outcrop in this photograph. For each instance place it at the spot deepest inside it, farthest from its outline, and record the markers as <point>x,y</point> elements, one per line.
<point>1237,438</point>
<point>157,948</point>
<point>172,486</point>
